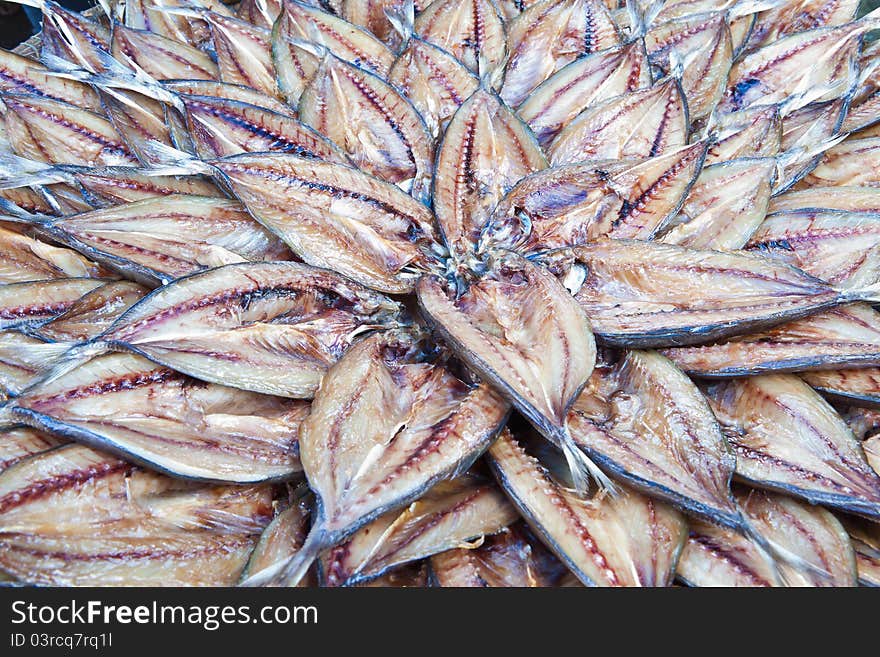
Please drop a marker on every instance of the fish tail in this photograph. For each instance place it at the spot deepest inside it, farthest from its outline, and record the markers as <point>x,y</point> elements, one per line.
<point>641,19</point>
<point>403,19</point>
<point>288,572</point>
<point>17,172</point>
<point>582,467</point>
<point>7,419</point>
<point>749,7</point>
<point>774,554</point>
<point>73,358</point>
<point>9,211</point>
<point>870,293</point>
<point>170,161</point>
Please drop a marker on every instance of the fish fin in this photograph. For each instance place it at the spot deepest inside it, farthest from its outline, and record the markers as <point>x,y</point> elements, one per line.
<point>810,150</point>
<point>12,213</point>
<point>749,7</point>
<point>170,161</point>
<point>289,571</point>
<point>582,467</point>
<point>403,20</point>
<point>641,19</point>
<point>71,359</point>
<point>16,172</point>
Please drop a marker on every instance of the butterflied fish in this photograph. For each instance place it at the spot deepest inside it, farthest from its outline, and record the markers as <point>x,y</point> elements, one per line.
<point>715,556</point>
<point>167,421</point>
<point>34,301</point>
<point>643,123</point>
<point>24,258</point>
<point>472,30</point>
<point>158,239</point>
<point>226,91</point>
<point>574,204</point>
<point>20,74</point>
<point>787,438</point>
<point>858,386</point>
<point>854,162</point>
<point>584,82</point>
<point>295,64</point>
<point>489,327</point>
<point>161,57</point>
<point>846,336</point>
<point>486,149</point>
<point>18,443</point>
<point>547,36</point>
<point>377,127</point>
<point>243,53</point>
<point>386,425</point>
<point>271,327</point>
<point>791,17</point>
<point>625,539</point>
<point>849,199</point>
<point>512,558</point>
<point>74,516</point>
<point>865,538</point>
<point>659,295</point>
<point>381,236</point>
<point>451,514</point>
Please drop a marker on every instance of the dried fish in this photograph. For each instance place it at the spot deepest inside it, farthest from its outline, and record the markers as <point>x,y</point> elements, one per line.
<point>865,539</point>
<point>295,64</point>
<point>472,30</point>
<point>643,123</point>
<point>846,336</point>
<point>361,463</point>
<point>548,35</point>
<point>848,199</point>
<point>658,295</point>
<point>573,204</point>
<point>381,236</point>
<point>857,386</point>
<point>490,327</point>
<point>644,421</point>
<point>451,514</point>
<point>25,259</point>
<point>74,516</point>
<point>281,539</point>
<point>19,74</point>
<point>486,149</point>
<point>715,556</point>
<point>226,91</point>
<point>852,163</point>
<point>243,52</point>
<point>609,540</point>
<point>18,443</point>
<point>161,57</point>
<point>511,558</point>
<point>155,416</point>
<point>584,83</point>
<point>270,327</point>
<point>787,438</point>
<point>158,239</point>
<point>27,303</point>
<point>377,127</point>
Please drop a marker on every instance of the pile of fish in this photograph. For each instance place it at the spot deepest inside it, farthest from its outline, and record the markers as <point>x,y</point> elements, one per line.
<point>460,293</point>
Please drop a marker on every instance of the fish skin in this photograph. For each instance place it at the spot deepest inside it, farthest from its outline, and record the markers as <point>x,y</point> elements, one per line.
<point>807,59</point>
<point>19,74</point>
<point>511,558</point>
<point>846,336</point>
<point>857,386</point>
<point>376,126</point>
<point>24,259</point>
<point>485,151</point>
<point>572,204</point>
<point>270,327</point>
<point>850,199</point>
<point>159,239</point>
<point>490,327</point>
<point>161,57</point>
<point>725,205</point>
<point>55,132</point>
<point>571,28</point>
<point>451,514</point>
<point>220,127</point>
<point>243,53</point>
<point>172,424</point>
<point>472,30</point>
<point>345,40</point>
<point>787,438</point>
<point>100,521</point>
<point>382,237</point>
<point>431,427</point>
<point>642,123</point>
<point>625,539</point>
<point>715,556</point>
<point>705,42</point>
<point>631,305</point>
<point>645,409</point>
<point>226,91</point>
<point>434,81</point>
<point>838,247</point>
<point>35,301</point>
<point>18,443</point>
<point>582,84</point>
<point>852,163</point>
